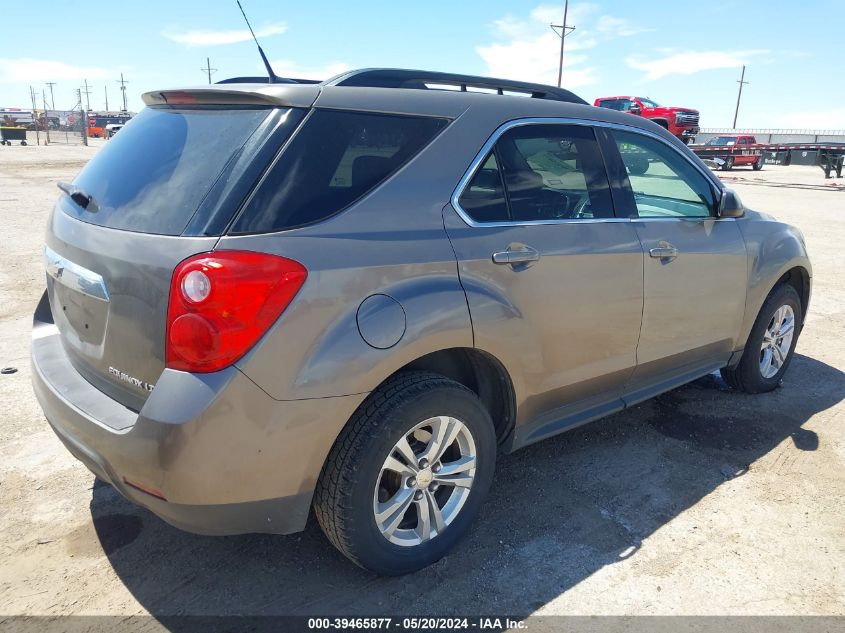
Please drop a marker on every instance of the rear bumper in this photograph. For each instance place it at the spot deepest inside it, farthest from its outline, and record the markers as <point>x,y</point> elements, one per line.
<point>226,457</point>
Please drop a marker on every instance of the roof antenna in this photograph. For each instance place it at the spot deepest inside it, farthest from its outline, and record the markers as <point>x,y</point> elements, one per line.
<point>271,75</point>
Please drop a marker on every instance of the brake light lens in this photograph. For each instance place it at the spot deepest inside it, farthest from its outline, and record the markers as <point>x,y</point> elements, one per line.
<point>221,303</point>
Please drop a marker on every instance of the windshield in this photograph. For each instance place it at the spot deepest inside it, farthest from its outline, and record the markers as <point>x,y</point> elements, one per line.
<point>648,103</point>
<point>722,140</point>
<point>152,177</point>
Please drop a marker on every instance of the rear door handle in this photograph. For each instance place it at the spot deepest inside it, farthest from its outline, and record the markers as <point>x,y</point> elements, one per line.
<point>524,255</point>
<point>665,251</point>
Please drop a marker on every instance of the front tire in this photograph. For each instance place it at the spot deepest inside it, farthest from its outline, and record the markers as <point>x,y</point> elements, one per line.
<point>770,345</point>
<point>407,475</point>
<point>729,164</point>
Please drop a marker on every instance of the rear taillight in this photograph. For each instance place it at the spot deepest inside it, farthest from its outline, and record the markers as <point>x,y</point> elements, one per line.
<point>221,303</point>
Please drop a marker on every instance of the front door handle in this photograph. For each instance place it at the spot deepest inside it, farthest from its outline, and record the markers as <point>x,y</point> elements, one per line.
<point>664,251</point>
<point>524,255</point>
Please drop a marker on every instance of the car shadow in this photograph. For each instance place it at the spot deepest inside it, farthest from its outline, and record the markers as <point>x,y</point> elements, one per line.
<point>558,512</point>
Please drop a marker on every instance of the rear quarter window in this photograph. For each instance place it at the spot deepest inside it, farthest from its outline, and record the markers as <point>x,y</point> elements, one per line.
<point>334,159</point>
<point>153,175</point>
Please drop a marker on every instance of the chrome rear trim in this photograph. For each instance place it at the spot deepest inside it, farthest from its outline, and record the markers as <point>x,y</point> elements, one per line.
<point>75,276</point>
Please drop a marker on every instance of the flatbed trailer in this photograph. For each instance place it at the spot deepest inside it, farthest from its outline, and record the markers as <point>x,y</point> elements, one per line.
<point>829,156</point>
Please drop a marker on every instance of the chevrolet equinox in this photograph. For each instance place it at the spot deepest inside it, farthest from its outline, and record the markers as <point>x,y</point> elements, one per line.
<point>350,296</point>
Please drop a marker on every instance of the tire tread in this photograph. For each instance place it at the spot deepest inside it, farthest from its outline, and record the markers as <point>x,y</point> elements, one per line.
<point>332,503</point>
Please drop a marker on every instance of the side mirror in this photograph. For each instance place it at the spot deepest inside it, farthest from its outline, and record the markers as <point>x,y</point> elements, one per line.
<point>635,109</point>
<point>730,206</point>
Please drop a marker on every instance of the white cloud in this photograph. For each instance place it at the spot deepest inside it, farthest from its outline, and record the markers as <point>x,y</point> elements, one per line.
<point>200,37</point>
<point>617,27</point>
<point>289,68</point>
<point>26,69</point>
<point>527,49</point>
<point>691,62</point>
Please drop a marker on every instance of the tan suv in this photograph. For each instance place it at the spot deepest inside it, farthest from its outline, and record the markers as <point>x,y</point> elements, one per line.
<point>351,296</point>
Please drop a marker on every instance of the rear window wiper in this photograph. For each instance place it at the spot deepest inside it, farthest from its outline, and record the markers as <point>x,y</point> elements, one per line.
<point>84,200</point>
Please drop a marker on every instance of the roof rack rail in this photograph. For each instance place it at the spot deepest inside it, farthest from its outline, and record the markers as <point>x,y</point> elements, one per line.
<point>264,80</point>
<point>427,80</point>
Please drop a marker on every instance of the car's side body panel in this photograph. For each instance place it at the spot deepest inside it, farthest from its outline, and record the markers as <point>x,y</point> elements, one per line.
<point>694,303</point>
<point>566,327</point>
<point>773,249</point>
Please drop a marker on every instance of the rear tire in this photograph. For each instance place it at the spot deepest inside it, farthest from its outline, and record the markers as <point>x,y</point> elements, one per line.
<point>373,499</point>
<point>759,164</point>
<point>752,374</point>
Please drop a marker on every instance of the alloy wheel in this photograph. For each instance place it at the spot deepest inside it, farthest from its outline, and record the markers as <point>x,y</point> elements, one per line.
<point>425,481</point>
<point>777,341</point>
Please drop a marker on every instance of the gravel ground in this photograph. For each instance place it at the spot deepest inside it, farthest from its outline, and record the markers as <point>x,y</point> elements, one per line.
<point>702,501</point>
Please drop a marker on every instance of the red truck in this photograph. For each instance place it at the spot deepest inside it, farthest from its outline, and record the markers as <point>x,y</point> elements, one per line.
<point>733,150</point>
<point>682,122</point>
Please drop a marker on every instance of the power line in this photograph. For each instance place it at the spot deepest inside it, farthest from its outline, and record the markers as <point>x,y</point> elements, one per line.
<point>563,33</point>
<point>52,100</point>
<point>208,69</point>
<point>741,81</point>
<point>87,92</point>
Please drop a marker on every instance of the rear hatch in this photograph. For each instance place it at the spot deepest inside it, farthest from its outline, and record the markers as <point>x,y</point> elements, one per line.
<point>163,189</point>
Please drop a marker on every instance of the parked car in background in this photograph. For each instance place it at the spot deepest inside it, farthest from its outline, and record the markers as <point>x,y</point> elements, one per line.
<point>98,121</point>
<point>111,129</point>
<point>681,122</point>
<point>351,297</point>
<point>735,150</point>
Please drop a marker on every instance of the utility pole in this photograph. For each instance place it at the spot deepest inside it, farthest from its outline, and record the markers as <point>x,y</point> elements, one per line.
<point>563,33</point>
<point>87,92</point>
<point>52,100</point>
<point>106,89</point>
<point>208,69</point>
<point>741,81</point>
<point>34,106</point>
<point>46,119</point>
<point>123,83</point>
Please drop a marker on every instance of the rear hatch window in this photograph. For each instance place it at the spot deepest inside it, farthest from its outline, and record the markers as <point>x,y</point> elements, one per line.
<point>334,159</point>
<point>153,176</point>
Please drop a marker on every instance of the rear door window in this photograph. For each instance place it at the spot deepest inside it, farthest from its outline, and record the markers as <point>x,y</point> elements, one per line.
<point>153,176</point>
<point>336,158</point>
<point>546,173</point>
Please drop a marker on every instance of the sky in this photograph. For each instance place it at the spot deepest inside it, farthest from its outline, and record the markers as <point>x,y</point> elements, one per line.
<point>680,53</point>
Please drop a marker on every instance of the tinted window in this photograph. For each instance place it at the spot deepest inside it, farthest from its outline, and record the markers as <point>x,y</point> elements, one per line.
<point>334,159</point>
<point>664,183</point>
<point>483,198</point>
<point>153,176</point>
<point>549,172</point>
<point>613,104</point>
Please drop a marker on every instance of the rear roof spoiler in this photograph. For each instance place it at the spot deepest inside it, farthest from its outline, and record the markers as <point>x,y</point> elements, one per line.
<point>277,94</point>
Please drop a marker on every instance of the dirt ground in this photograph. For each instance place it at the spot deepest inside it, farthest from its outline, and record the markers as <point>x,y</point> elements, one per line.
<point>702,501</point>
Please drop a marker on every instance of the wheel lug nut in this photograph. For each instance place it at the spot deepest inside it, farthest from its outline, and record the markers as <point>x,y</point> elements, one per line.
<point>436,468</point>
<point>423,463</point>
<point>412,482</point>
<point>434,486</point>
<point>418,495</point>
